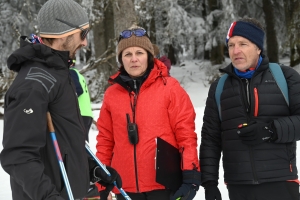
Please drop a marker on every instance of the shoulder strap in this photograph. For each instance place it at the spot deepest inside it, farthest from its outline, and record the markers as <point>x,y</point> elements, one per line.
<point>280,80</point>
<point>219,91</point>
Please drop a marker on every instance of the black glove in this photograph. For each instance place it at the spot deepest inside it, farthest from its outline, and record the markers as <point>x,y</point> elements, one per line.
<point>212,191</point>
<point>256,132</point>
<point>191,179</point>
<point>97,174</point>
<point>106,180</point>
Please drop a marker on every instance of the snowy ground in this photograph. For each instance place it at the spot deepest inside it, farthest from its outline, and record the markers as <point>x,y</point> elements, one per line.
<point>193,80</point>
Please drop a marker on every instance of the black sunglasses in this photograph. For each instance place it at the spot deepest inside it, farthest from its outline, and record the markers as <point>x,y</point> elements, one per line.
<point>84,32</point>
<point>139,32</point>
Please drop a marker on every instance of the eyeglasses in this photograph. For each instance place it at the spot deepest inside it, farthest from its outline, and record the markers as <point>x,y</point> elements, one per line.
<point>84,32</point>
<point>139,32</point>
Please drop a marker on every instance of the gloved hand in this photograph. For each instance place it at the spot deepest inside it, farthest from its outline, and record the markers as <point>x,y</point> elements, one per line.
<point>191,179</point>
<point>256,132</point>
<point>212,191</point>
<point>107,181</point>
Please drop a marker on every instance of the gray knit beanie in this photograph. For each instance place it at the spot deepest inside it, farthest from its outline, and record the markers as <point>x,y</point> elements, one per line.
<point>61,18</point>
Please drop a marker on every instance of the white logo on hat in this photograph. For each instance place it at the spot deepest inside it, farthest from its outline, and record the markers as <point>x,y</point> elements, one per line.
<point>29,111</point>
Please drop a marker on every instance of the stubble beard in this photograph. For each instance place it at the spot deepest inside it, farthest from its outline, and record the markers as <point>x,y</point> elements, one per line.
<point>68,45</point>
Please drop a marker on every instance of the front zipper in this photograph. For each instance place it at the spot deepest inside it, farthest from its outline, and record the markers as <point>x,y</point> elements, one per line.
<point>248,94</point>
<point>255,181</point>
<point>248,106</point>
<point>255,102</point>
<point>133,107</point>
<point>136,170</point>
<point>247,100</point>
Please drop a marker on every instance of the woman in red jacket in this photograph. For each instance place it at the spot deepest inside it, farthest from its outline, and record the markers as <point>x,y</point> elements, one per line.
<point>144,103</point>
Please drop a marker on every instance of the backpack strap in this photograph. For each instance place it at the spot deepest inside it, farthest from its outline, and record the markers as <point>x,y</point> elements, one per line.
<point>280,80</point>
<point>219,91</point>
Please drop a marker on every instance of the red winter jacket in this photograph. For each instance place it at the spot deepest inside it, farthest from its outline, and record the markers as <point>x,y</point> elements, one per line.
<point>163,110</point>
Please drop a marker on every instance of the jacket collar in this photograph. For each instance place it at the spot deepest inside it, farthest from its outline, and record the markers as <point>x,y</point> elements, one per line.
<point>159,70</point>
<point>263,66</point>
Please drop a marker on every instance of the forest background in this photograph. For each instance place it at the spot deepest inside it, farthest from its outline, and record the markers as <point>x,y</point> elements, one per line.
<point>183,30</point>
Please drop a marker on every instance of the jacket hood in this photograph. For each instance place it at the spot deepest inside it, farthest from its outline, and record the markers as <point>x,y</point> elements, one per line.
<point>38,53</point>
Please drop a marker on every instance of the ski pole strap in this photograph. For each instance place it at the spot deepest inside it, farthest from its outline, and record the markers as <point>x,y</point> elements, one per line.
<point>95,178</point>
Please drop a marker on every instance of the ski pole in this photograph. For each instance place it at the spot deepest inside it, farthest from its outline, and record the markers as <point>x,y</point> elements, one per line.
<point>104,168</point>
<point>59,158</point>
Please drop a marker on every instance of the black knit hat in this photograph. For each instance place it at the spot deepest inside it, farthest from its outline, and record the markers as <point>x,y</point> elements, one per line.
<point>61,18</point>
<point>247,30</point>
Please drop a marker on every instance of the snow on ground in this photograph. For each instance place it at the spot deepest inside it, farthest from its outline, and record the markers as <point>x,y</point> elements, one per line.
<point>192,78</point>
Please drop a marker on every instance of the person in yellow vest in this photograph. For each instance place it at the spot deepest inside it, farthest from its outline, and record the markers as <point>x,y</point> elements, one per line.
<point>84,100</point>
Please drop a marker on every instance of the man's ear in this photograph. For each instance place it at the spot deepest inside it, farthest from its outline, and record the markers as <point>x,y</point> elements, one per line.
<point>258,51</point>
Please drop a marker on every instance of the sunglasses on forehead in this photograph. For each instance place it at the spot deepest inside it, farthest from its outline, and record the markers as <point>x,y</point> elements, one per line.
<point>139,32</point>
<point>84,32</point>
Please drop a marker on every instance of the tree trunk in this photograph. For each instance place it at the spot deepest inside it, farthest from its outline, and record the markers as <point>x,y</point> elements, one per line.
<point>153,30</point>
<point>124,15</point>
<point>292,16</point>
<point>272,44</point>
<point>171,54</point>
<point>103,41</point>
<point>216,53</point>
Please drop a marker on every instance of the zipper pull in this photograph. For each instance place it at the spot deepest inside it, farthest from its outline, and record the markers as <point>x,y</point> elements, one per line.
<point>134,85</point>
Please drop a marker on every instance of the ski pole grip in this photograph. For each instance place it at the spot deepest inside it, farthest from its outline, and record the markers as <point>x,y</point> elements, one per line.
<point>49,122</point>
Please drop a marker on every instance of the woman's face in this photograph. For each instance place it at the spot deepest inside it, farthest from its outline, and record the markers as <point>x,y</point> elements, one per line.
<point>135,61</point>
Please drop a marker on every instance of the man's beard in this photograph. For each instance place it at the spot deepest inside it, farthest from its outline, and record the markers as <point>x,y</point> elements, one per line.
<point>67,45</point>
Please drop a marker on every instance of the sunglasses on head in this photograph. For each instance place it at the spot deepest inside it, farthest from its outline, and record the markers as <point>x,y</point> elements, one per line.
<point>139,32</point>
<point>83,33</point>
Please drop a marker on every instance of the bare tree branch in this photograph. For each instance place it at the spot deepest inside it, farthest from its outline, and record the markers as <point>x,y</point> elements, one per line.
<point>94,63</point>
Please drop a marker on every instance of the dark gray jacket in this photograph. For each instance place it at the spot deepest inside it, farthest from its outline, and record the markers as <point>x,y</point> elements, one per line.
<point>266,162</point>
<point>43,84</point>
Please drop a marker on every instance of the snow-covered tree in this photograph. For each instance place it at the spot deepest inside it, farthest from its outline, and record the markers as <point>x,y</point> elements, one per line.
<point>175,31</point>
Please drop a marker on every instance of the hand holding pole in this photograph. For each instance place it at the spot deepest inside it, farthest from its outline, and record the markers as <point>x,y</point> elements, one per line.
<point>104,169</point>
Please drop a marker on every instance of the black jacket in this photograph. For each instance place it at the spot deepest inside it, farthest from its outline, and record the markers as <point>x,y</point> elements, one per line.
<point>43,84</point>
<point>266,162</point>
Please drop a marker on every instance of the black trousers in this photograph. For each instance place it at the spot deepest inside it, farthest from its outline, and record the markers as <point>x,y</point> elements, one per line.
<point>283,190</point>
<point>151,195</point>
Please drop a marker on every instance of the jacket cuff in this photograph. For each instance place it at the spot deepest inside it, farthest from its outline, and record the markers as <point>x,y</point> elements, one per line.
<point>274,135</point>
<point>192,177</point>
<point>209,183</point>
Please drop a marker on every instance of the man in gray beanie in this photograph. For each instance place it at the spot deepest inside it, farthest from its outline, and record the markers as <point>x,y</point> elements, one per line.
<point>43,85</point>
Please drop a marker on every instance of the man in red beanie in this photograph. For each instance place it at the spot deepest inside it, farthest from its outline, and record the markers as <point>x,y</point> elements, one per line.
<point>254,127</point>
